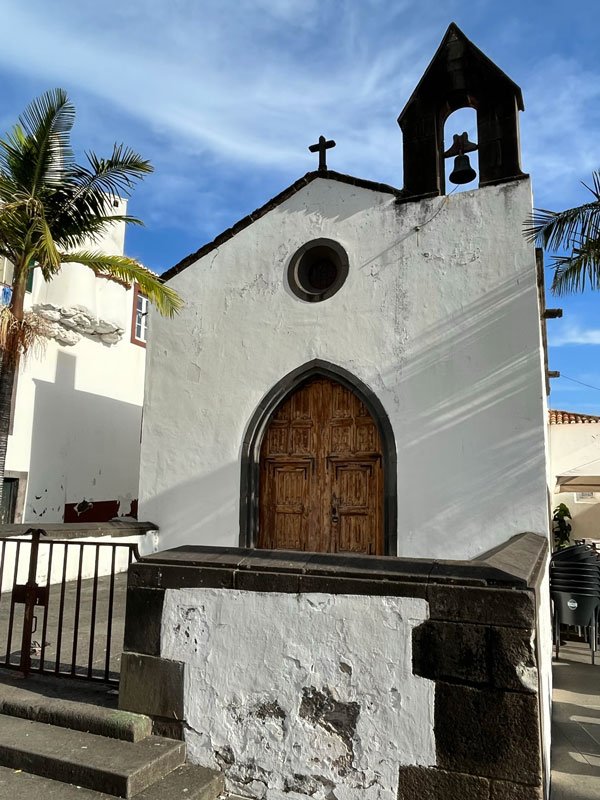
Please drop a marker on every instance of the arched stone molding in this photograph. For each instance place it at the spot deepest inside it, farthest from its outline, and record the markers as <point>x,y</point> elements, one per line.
<point>250,460</point>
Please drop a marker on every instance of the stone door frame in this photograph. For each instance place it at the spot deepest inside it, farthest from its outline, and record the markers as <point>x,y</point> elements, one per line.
<point>250,457</point>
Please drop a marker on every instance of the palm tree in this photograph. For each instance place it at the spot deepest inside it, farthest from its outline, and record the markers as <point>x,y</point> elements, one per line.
<point>52,211</point>
<point>576,231</point>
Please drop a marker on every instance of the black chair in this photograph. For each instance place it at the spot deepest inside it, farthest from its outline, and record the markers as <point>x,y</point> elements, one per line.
<point>581,610</point>
<point>575,591</point>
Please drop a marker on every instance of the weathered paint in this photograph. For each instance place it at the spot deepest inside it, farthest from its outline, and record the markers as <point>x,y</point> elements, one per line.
<point>331,711</point>
<point>438,317</point>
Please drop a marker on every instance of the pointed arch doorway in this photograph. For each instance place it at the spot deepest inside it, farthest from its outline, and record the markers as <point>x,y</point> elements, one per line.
<point>318,468</point>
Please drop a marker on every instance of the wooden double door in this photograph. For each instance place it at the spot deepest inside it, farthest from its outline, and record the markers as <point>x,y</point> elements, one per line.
<point>321,474</point>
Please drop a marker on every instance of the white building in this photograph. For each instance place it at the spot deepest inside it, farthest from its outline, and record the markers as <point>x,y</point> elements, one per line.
<point>574,441</point>
<point>359,367</point>
<point>73,452</point>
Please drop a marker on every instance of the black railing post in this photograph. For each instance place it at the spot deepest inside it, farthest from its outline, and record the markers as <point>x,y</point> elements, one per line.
<point>31,598</point>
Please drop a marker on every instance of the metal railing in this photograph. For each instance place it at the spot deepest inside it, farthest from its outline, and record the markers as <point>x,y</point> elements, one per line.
<point>62,604</point>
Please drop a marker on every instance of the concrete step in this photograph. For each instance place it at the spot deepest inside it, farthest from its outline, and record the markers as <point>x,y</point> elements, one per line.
<point>72,704</point>
<point>78,716</point>
<point>114,767</point>
<point>184,783</point>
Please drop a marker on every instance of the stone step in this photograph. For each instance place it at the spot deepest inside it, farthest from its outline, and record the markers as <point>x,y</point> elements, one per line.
<point>184,783</point>
<point>80,705</point>
<point>112,766</point>
<point>78,716</point>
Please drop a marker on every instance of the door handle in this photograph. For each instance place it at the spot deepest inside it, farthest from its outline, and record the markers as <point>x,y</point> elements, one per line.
<point>334,509</point>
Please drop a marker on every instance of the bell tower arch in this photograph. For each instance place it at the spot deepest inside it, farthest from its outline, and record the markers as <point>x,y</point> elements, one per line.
<point>460,76</point>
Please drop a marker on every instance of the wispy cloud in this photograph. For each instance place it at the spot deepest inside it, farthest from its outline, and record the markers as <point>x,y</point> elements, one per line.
<point>572,333</point>
<point>225,96</point>
<point>245,81</point>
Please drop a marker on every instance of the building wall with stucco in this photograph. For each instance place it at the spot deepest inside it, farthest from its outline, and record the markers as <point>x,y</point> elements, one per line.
<point>74,445</point>
<point>438,317</point>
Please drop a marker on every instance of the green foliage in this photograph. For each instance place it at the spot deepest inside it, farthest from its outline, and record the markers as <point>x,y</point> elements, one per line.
<point>576,231</point>
<point>560,527</point>
<point>52,208</point>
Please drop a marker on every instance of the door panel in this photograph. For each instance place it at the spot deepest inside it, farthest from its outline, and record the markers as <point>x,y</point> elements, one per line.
<point>356,513</point>
<point>285,517</point>
<point>321,477</point>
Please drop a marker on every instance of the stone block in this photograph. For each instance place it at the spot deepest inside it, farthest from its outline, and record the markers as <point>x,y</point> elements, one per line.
<point>451,652</point>
<point>332,585</point>
<point>482,605</point>
<point>142,620</point>
<point>513,662</point>
<point>479,655</point>
<point>153,575</point>
<point>427,783</point>
<point>152,686</point>
<point>505,790</point>
<point>488,732</point>
<point>266,581</point>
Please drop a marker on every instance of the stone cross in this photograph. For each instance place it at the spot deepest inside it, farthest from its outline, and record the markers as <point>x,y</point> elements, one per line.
<point>320,147</point>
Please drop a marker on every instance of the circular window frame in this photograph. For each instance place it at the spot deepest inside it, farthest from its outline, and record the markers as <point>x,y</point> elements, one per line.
<point>339,257</point>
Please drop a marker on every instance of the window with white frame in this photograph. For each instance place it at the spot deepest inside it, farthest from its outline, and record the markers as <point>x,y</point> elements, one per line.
<point>139,324</point>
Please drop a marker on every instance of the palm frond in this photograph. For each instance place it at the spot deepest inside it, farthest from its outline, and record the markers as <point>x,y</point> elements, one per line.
<point>45,250</point>
<point>37,152</point>
<point>595,189</point>
<point>79,216</point>
<point>47,122</point>
<point>115,175</point>
<point>556,229</point>
<point>572,273</point>
<point>129,271</point>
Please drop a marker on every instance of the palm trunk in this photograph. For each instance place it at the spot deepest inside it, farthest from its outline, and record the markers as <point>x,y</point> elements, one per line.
<point>9,366</point>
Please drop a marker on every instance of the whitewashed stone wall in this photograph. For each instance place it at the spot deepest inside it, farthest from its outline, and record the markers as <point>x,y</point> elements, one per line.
<point>438,317</point>
<point>333,710</point>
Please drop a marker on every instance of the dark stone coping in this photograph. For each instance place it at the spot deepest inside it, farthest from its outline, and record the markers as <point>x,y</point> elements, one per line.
<point>271,204</point>
<point>514,565</point>
<point>80,530</point>
<point>522,556</point>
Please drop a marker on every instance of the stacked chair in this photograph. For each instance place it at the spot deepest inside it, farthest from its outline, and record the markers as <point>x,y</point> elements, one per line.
<point>575,591</point>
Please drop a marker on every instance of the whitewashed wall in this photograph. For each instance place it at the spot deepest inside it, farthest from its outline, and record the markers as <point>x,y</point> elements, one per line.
<point>78,411</point>
<point>438,316</point>
<point>576,448</point>
<point>333,709</point>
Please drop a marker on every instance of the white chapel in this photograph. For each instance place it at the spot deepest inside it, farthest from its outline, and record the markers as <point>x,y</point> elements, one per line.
<point>359,368</point>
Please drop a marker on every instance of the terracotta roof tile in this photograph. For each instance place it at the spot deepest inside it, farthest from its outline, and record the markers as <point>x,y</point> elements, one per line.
<point>556,417</point>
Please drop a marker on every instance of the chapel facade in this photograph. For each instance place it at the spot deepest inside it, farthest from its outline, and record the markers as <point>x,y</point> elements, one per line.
<point>358,372</point>
<point>358,367</point>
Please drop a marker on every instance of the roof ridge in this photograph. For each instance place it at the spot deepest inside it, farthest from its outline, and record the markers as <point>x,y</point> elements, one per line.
<point>291,190</point>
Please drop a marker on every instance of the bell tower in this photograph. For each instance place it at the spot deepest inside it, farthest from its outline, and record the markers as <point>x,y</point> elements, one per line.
<point>460,76</point>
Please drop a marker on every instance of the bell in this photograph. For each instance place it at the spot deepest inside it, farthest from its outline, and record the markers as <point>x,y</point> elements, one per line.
<point>463,172</point>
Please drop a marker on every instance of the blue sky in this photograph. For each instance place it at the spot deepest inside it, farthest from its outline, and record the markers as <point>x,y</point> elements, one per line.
<point>223,96</point>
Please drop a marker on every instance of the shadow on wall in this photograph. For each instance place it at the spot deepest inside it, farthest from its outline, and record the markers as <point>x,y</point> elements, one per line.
<point>85,452</point>
<point>196,509</point>
<point>473,451</point>
<point>470,449</point>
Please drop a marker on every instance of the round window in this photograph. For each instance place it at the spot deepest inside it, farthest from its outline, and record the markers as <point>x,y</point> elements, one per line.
<point>317,270</point>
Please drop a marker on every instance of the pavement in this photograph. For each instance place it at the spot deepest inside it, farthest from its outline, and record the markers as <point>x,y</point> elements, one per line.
<point>68,641</point>
<point>576,725</point>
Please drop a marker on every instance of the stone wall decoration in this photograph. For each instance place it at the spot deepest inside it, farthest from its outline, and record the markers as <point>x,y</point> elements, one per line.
<point>67,324</point>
